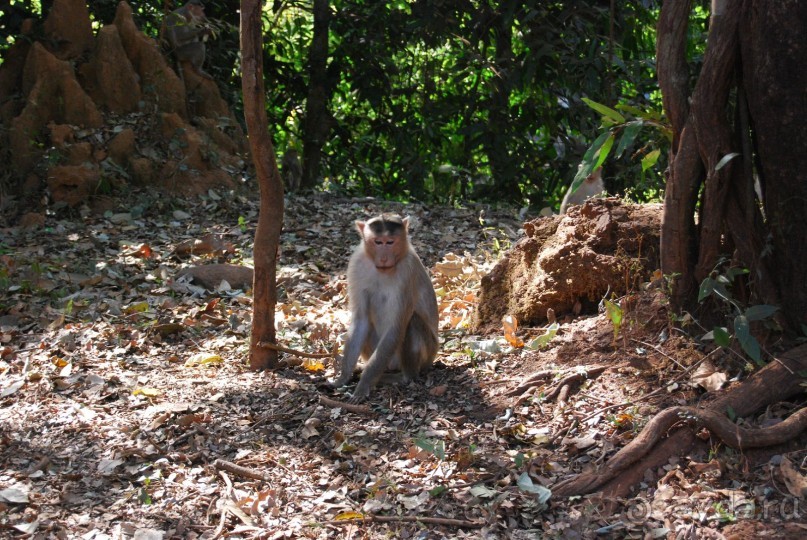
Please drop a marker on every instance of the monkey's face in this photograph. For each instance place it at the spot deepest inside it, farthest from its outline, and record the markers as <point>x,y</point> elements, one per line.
<point>385,251</point>
<point>197,12</point>
<point>385,241</point>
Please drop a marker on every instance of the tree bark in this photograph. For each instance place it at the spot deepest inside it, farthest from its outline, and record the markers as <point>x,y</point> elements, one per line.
<point>318,120</point>
<point>270,218</point>
<point>742,43</point>
<point>774,48</point>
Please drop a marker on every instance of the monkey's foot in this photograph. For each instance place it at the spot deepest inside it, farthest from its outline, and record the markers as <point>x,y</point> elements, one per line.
<point>359,395</point>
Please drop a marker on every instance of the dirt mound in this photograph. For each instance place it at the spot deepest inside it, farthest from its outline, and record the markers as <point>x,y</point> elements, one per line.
<point>92,112</point>
<point>568,263</point>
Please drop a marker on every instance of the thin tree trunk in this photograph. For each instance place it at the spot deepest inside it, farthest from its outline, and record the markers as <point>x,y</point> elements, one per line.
<point>270,219</point>
<point>317,121</point>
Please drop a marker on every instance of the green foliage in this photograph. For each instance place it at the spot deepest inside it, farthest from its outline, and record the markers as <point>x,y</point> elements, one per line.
<point>434,447</point>
<point>458,100</point>
<point>451,101</point>
<point>718,285</point>
<point>626,128</point>
<point>615,315</point>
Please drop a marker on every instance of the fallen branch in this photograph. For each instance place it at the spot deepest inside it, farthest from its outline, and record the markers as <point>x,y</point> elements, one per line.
<point>350,407</point>
<point>523,390</point>
<point>448,522</point>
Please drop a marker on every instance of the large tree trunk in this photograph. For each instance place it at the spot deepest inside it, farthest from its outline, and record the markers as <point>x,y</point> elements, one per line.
<point>752,51</point>
<point>749,100</point>
<point>270,219</point>
<point>774,49</point>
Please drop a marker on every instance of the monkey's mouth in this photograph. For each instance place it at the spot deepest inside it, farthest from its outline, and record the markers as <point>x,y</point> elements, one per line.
<point>384,268</point>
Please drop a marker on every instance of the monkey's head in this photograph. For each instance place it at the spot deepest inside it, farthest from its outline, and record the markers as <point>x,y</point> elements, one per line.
<point>196,9</point>
<point>385,240</point>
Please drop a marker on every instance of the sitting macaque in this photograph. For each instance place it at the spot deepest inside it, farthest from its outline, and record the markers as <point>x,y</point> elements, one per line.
<point>393,306</point>
<point>185,31</point>
<point>291,169</point>
<point>592,186</point>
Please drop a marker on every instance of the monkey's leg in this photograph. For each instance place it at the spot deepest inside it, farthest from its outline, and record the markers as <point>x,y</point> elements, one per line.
<point>373,372</point>
<point>419,348</point>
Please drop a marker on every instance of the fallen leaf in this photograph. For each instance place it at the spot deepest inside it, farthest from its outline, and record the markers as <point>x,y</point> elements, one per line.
<point>510,324</point>
<point>796,482</point>
<point>708,377</point>
<point>13,496</point>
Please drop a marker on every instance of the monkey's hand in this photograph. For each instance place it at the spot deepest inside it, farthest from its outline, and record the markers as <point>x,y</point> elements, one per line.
<point>342,380</point>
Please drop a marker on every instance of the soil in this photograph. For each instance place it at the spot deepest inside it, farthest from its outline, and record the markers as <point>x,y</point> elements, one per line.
<point>127,409</point>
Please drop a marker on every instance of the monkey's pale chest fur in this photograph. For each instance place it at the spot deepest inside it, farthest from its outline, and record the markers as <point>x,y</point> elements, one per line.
<point>379,293</point>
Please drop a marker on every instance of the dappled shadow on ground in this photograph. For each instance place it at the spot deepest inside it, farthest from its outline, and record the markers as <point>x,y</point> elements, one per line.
<point>125,395</point>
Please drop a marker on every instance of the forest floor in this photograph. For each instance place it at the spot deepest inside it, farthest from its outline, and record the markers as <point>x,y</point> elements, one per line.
<point>127,409</point>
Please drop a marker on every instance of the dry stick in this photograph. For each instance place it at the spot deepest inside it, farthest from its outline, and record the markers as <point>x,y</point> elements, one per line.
<point>662,353</point>
<point>295,352</point>
<point>459,523</point>
<point>220,529</point>
<point>564,383</point>
<point>350,407</point>
<point>239,470</point>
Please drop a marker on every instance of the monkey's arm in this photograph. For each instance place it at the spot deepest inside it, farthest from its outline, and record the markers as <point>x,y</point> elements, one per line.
<point>357,335</point>
<point>386,354</point>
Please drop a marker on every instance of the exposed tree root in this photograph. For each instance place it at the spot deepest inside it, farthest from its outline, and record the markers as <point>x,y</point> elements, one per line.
<point>524,390</point>
<point>777,381</point>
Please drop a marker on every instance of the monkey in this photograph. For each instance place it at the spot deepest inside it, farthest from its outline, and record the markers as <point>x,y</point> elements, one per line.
<point>291,169</point>
<point>185,32</point>
<point>393,307</point>
<point>592,186</point>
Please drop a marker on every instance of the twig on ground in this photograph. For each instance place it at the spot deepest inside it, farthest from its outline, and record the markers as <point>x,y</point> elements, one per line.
<point>244,472</point>
<point>459,523</point>
<point>350,407</point>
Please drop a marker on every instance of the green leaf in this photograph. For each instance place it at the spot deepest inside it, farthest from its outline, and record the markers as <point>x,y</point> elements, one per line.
<point>721,336</point>
<point>604,110</point>
<point>543,340</point>
<point>587,165</point>
<point>650,159</point>
<point>760,312</point>
<point>748,342</point>
<point>731,413</point>
<point>725,159</point>
<point>629,134</point>
<point>614,313</point>
<point>706,288</point>
<point>605,149</point>
<point>483,492</point>
<point>732,273</point>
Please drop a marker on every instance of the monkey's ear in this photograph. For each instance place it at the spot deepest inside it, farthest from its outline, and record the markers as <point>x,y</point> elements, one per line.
<point>360,227</point>
<point>406,223</point>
